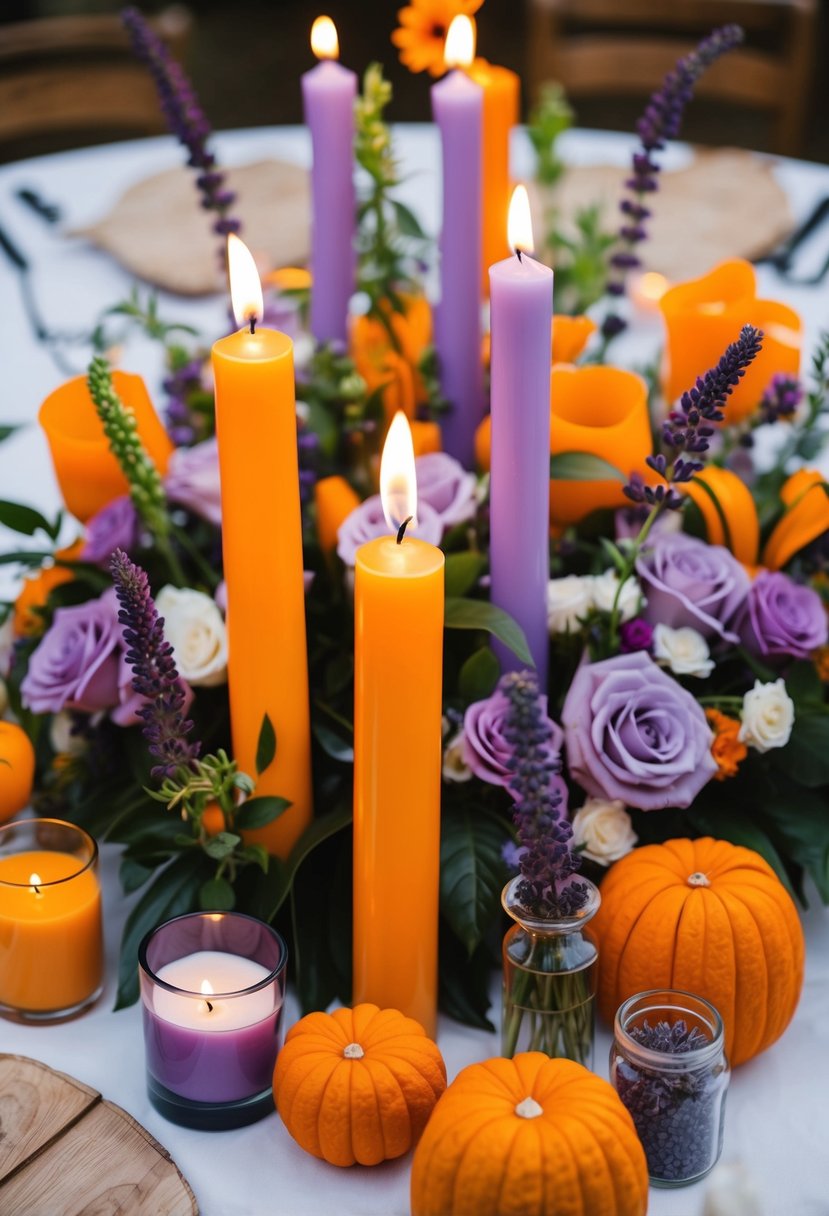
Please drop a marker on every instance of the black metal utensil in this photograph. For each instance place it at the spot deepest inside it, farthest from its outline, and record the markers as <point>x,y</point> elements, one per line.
<point>781,258</point>
<point>50,212</point>
<point>52,339</point>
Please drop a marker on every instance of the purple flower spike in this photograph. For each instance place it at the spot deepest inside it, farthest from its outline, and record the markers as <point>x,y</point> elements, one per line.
<point>781,399</point>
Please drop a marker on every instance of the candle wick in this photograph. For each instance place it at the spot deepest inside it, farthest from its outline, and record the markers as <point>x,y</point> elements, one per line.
<point>36,890</point>
<point>518,254</point>
<point>253,331</point>
<point>401,531</point>
<point>209,1006</point>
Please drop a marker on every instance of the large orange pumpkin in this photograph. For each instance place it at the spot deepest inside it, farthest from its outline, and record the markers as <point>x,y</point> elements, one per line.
<point>357,1085</point>
<point>530,1136</point>
<point>707,917</point>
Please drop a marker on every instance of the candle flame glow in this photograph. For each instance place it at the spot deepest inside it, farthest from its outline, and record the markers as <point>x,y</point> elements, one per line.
<point>459,49</point>
<point>207,991</point>
<point>35,882</point>
<point>245,287</point>
<point>652,286</point>
<point>324,41</point>
<point>398,482</point>
<point>519,222</point>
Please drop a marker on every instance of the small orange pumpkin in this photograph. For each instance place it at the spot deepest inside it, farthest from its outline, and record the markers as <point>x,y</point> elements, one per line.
<point>357,1085</point>
<point>707,917</point>
<point>529,1136</point>
<point>17,769</point>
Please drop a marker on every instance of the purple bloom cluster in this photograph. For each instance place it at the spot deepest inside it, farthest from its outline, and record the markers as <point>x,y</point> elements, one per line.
<point>183,424</point>
<point>782,397</point>
<point>690,424</point>
<point>154,673</point>
<point>660,122</point>
<point>185,118</point>
<point>544,832</point>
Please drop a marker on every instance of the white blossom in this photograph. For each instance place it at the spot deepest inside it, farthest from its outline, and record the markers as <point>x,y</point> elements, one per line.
<point>604,828</point>
<point>768,716</point>
<point>685,651</point>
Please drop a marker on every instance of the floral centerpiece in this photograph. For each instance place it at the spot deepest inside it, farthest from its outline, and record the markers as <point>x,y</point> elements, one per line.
<point>686,608</point>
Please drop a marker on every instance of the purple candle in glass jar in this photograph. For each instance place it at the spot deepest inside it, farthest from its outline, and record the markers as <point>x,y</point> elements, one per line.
<point>212,988</point>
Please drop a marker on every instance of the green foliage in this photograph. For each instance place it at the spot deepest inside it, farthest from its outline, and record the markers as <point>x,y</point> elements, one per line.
<point>583,466</point>
<point>549,119</point>
<point>478,614</point>
<point>266,746</point>
<point>581,261</point>
<point>472,871</point>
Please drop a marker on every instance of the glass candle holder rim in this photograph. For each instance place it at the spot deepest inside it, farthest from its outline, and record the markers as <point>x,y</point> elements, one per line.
<point>86,838</point>
<point>553,925</point>
<point>669,999</point>
<point>272,975</point>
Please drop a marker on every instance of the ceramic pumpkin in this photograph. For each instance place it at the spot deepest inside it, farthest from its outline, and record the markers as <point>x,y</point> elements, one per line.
<point>530,1136</point>
<point>710,918</point>
<point>357,1085</point>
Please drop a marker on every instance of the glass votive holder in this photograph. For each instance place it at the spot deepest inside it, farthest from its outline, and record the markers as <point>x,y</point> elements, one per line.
<point>212,991</point>
<point>668,1066</point>
<point>51,941</point>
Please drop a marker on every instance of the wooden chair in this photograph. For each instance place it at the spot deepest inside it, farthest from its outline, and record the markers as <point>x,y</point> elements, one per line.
<point>71,78</point>
<point>617,48</point>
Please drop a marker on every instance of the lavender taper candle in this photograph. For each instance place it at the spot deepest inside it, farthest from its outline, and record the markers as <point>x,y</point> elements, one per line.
<point>521,292</point>
<point>328,93</point>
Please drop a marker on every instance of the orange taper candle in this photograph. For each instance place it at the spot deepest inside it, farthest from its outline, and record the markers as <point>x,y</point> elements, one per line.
<point>502,104</point>
<point>262,544</point>
<point>398,608</point>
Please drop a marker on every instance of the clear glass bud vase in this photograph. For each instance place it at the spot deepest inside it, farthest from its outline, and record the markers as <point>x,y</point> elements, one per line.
<point>549,980</point>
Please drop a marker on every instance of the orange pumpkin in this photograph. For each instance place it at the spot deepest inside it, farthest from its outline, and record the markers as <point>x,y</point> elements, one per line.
<point>529,1136</point>
<point>17,769</point>
<point>707,917</point>
<point>357,1085</point>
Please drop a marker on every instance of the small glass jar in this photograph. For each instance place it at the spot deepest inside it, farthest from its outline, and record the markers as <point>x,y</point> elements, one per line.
<point>549,991</point>
<point>668,1066</point>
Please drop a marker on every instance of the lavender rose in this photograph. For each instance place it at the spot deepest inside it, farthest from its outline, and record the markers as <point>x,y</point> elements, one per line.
<point>115,526</point>
<point>782,618</point>
<point>192,480</point>
<point>367,522</point>
<point>488,752</point>
<point>688,582</point>
<point>444,484</point>
<point>633,733</point>
<point>76,664</point>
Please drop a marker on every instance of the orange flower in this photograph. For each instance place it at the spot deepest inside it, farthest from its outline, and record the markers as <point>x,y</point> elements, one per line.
<point>570,336</point>
<point>335,500</point>
<point>421,35</point>
<point>727,750</point>
<point>28,618</point>
<point>805,519</point>
<point>426,437</point>
<point>735,502</point>
<point>821,658</point>
<point>704,315</point>
<point>289,278</point>
<point>395,371</point>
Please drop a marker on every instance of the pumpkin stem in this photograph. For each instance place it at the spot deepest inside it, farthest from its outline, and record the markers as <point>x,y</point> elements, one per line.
<point>529,1109</point>
<point>698,880</point>
<point>353,1051</point>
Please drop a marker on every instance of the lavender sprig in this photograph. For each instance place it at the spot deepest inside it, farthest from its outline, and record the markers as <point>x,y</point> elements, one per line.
<point>674,1039</point>
<point>186,120</point>
<point>544,832</point>
<point>154,672</point>
<point>660,122</point>
<point>781,399</point>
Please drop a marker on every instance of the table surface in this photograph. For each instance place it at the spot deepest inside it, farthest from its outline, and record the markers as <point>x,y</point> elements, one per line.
<point>777,1115</point>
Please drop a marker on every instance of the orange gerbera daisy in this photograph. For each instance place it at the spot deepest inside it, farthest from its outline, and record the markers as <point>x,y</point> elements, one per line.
<point>726,749</point>
<point>421,35</point>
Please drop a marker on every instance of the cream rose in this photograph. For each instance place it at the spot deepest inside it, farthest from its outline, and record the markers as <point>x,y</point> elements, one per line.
<point>62,736</point>
<point>455,767</point>
<point>685,651</point>
<point>603,827</point>
<point>194,628</point>
<point>606,585</point>
<point>768,716</point>
<point>568,599</point>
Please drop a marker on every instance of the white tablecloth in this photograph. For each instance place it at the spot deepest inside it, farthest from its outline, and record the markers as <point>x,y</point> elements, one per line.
<point>777,1121</point>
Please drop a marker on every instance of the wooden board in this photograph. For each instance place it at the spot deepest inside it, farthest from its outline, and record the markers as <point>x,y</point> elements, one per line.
<point>64,1151</point>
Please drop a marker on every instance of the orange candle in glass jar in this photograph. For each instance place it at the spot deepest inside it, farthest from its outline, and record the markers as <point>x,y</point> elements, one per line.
<point>502,105</point>
<point>398,608</point>
<point>262,545</point>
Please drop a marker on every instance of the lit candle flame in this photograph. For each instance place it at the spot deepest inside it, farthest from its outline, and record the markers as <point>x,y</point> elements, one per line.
<point>652,286</point>
<point>35,882</point>
<point>207,990</point>
<point>324,41</point>
<point>459,49</point>
<point>519,222</point>
<point>398,483</point>
<point>245,287</point>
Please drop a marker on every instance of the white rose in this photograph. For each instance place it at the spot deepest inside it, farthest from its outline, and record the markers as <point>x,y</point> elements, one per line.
<point>568,599</point>
<point>731,1192</point>
<point>6,644</point>
<point>64,740</point>
<point>455,767</point>
<point>768,716</point>
<point>604,828</point>
<point>194,628</point>
<point>684,650</point>
<point>605,587</point>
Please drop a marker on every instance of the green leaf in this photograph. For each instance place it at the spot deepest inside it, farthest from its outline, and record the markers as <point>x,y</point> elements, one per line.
<point>173,892</point>
<point>721,515</point>
<point>216,895</point>
<point>221,845</point>
<point>257,812</point>
<point>407,221</point>
<point>583,466</point>
<point>472,872</point>
<point>321,920</point>
<point>266,747</point>
<point>26,520</point>
<point>479,675</point>
<point>477,614</point>
<point>462,571</point>
<point>317,831</point>
<point>463,989</point>
<point>6,431</point>
<point>803,684</point>
<point>800,823</point>
<point>805,758</point>
<point>614,553</point>
<point>332,744</point>
<point>134,874</point>
<point>258,854</point>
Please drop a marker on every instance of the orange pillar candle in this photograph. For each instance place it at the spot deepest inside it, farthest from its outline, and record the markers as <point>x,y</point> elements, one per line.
<point>502,105</point>
<point>398,649</point>
<point>262,544</point>
<point>51,946</point>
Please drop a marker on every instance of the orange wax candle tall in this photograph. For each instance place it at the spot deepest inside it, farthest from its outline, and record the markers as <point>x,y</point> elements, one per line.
<point>398,608</point>
<point>262,543</point>
<point>51,947</point>
<point>502,104</point>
